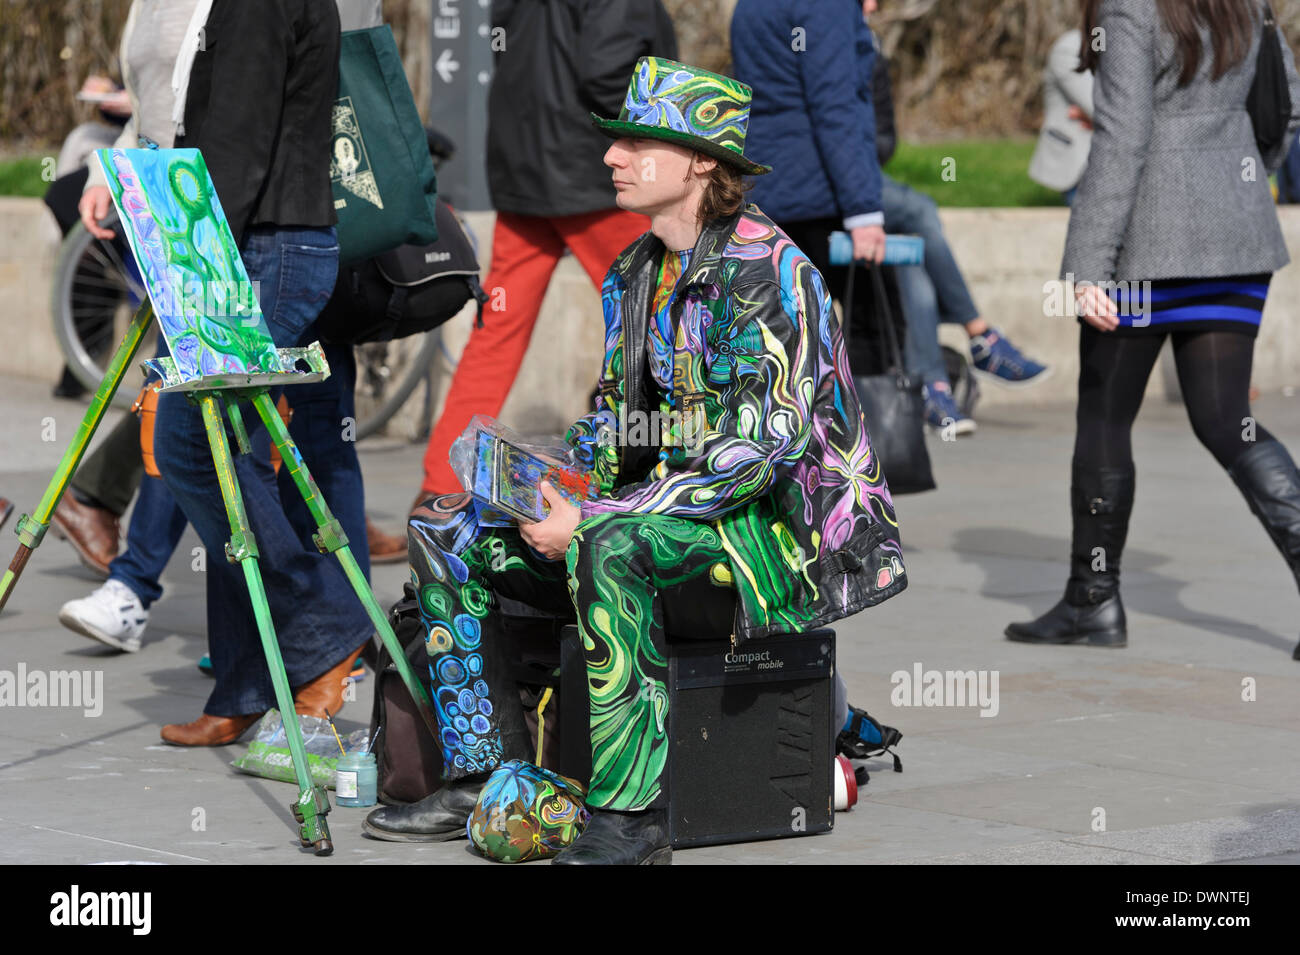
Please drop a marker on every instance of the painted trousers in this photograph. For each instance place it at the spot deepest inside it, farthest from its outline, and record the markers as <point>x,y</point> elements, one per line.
<point>630,579</point>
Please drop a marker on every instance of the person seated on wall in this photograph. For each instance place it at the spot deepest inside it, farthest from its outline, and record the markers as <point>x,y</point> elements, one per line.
<point>759,510</point>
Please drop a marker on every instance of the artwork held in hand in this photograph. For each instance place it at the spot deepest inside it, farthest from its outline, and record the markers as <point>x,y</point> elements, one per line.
<point>508,479</point>
<point>206,306</point>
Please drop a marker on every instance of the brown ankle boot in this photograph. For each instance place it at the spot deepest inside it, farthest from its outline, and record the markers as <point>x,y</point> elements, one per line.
<point>385,548</point>
<point>209,730</point>
<point>93,532</point>
<point>326,691</point>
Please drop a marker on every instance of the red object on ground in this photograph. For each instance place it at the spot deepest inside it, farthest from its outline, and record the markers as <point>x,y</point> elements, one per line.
<point>846,784</point>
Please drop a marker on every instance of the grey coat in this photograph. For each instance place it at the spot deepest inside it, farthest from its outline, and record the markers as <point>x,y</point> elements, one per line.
<point>1063,143</point>
<point>1175,186</point>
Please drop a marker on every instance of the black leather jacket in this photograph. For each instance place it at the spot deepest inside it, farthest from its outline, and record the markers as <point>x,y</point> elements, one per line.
<point>260,96</point>
<point>563,59</point>
<point>780,462</point>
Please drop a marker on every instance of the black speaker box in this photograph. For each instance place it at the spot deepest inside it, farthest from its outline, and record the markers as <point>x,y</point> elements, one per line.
<point>752,739</point>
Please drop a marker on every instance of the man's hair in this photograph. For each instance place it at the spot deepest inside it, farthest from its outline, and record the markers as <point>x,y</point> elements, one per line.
<point>724,193</point>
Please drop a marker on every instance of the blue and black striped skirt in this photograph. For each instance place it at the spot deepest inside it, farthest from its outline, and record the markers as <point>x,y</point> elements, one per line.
<point>1233,304</point>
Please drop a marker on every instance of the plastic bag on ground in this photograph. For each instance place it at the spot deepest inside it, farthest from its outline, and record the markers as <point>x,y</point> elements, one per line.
<point>268,754</point>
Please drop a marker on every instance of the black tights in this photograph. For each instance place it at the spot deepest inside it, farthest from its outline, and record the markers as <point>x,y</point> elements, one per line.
<point>1213,370</point>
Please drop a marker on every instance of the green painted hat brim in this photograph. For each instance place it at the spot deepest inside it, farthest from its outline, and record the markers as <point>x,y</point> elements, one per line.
<point>620,129</point>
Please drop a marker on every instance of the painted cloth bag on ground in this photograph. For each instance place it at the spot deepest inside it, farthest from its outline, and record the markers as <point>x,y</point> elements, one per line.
<point>525,812</point>
<point>382,176</point>
<point>268,754</point>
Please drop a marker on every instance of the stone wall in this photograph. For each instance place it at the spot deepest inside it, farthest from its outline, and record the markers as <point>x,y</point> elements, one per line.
<point>1007,254</point>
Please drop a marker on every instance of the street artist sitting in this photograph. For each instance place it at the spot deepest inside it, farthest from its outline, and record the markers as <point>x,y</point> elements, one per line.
<point>762,511</point>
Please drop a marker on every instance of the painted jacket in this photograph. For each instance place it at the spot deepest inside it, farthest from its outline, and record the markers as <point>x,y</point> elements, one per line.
<point>768,444</point>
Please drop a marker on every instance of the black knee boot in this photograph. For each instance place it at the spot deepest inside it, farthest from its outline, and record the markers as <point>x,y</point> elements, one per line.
<point>1268,478</point>
<point>1101,500</point>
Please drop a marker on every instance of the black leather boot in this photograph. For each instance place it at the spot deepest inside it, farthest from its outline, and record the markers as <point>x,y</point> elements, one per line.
<point>438,817</point>
<point>621,838</point>
<point>1101,500</point>
<point>1268,479</point>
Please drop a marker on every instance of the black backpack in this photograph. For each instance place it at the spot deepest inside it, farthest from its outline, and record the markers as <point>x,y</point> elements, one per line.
<point>407,291</point>
<point>407,759</point>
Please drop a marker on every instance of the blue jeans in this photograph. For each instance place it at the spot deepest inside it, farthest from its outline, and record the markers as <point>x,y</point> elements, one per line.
<point>317,617</point>
<point>323,427</point>
<point>155,529</point>
<point>929,294</point>
<point>151,538</point>
<point>319,410</point>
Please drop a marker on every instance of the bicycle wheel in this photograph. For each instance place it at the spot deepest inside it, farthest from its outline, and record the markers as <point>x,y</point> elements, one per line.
<point>387,374</point>
<point>91,302</point>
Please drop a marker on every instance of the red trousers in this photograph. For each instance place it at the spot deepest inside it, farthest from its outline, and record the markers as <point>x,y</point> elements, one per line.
<point>525,251</point>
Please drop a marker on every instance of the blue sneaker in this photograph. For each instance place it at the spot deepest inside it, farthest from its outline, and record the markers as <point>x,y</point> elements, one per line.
<point>1000,361</point>
<point>942,413</point>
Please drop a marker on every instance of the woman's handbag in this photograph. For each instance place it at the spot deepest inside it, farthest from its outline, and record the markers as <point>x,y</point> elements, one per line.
<point>892,405</point>
<point>1269,100</point>
<point>380,169</point>
<point>145,408</point>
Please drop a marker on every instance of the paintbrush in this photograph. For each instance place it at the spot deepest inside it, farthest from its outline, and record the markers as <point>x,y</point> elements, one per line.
<point>330,720</point>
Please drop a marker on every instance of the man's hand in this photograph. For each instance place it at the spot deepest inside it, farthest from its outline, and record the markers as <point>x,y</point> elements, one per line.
<point>94,205</point>
<point>550,537</point>
<point>868,244</point>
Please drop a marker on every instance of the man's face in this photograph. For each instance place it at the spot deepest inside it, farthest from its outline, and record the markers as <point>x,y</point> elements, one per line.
<point>649,175</point>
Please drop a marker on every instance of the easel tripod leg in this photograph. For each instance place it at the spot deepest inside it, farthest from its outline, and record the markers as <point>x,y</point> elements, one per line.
<point>332,539</point>
<point>32,529</point>
<point>313,803</point>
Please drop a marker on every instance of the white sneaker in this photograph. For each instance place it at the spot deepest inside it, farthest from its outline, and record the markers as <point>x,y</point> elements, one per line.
<point>112,614</point>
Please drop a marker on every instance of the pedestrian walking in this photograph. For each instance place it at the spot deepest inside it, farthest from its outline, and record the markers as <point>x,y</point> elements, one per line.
<point>1173,234</point>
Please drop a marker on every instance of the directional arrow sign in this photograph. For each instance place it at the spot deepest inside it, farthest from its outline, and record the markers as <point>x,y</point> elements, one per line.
<point>460,54</point>
<point>446,66</point>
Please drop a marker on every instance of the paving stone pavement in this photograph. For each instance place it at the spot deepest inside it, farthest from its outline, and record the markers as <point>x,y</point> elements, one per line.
<point>1155,741</point>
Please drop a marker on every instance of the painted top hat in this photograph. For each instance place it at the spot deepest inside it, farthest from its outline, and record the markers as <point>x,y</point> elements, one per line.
<point>687,106</point>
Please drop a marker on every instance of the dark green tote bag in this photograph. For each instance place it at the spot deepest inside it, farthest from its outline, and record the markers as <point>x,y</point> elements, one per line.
<point>385,189</point>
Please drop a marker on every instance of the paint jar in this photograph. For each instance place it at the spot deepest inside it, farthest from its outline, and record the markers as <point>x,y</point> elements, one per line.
<point>356,780</point>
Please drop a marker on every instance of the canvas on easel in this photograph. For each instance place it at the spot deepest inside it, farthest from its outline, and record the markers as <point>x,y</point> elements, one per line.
<point>222,353</point>
<point>206,306</point>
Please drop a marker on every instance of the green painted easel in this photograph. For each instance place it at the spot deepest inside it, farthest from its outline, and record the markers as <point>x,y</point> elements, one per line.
<point>221,356</point>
